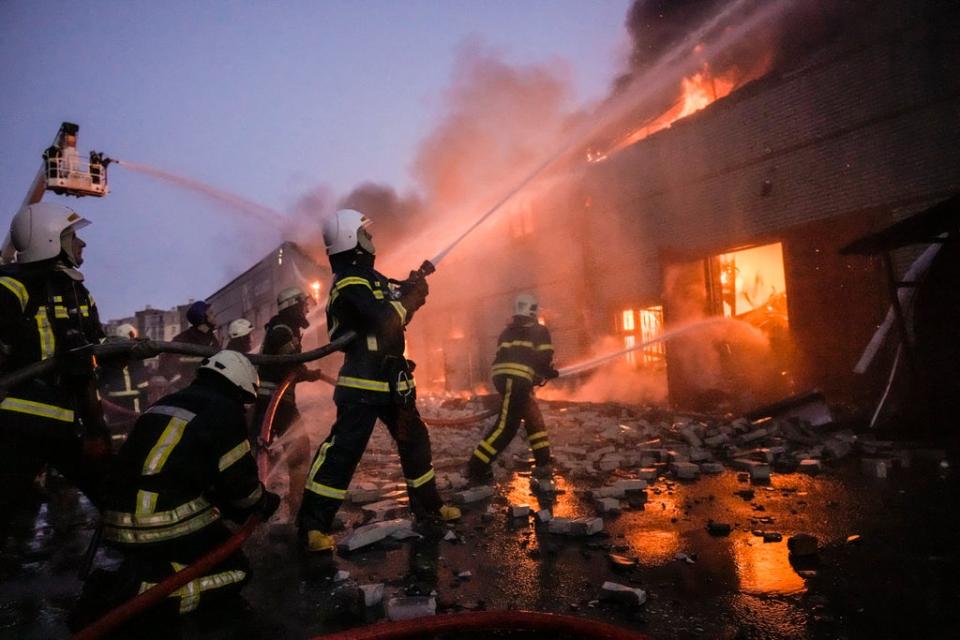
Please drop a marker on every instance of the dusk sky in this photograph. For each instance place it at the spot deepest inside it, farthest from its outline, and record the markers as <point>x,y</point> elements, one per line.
<point>265,100</point>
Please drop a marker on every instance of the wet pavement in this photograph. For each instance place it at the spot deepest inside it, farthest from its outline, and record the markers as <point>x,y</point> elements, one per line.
<point>887,565</point>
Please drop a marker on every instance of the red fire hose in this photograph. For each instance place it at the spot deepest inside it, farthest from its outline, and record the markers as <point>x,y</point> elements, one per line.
<point>158,592</point>
<point>488,620</point>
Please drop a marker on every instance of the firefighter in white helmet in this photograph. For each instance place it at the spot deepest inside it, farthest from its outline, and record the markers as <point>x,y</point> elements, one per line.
<point>123,385</point>
<point>240,334</point>
<point>375,381</point>
<point>46,311</point>
<point>283,336</point>
<point>184,467</point>
<point>524,360</point>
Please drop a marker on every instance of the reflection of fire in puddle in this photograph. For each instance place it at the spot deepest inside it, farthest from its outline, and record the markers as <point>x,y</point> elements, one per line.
<point>655,547</point>
<point>564,503</point>
<point>763,568</point>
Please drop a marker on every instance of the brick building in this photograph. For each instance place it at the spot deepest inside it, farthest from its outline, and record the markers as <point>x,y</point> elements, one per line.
<point>738,210</point>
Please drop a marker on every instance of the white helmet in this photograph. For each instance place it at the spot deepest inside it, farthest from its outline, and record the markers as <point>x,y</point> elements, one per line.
<point>236,368</point>
<point>342,232</point>
<point>289,297</point>
<point>126,331</point>
<point>239,328</point>
<point>525,305</point>
<point>36,229</point>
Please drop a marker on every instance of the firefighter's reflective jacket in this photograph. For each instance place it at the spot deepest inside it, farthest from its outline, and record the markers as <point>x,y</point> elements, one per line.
<point>180,369</point>
<point>524,352</point>
<point>45,311</point>
<point>374,370</point>
<point>186,460</point>
<point>282,337</point>
<point>125,384</point>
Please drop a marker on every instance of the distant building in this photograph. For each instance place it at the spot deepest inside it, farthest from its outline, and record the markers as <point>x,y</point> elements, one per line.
<point>251,295</point>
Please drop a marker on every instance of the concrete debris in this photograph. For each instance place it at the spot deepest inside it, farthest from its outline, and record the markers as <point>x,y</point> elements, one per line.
<point>837,448</point>
<point>464,575</point>
<point>685,470</point>
<point>520,511</point>
<point>404,534</point>
<point>575,527</point>
<point>372,594</point>
<point>473,494</point>
<point>688,434</point>
<point>544,515</point>
<point>810,466</point>
<point>560,526</point>
<point>586,526</point>
<point>711,467</point>
<point>718,529</point>
<point>341,575</point>
<point>375,532</point>
<point>875,467</point>
<point>647,473</point>
<point>384,510</point>
<point>623,594</point>
<point>409,607</point>
<point>450,536</point>
<point>608,505</point>
<point>772,536</point>
<point>684,558</point>
<point>802,544</point>
<point>621,562</point>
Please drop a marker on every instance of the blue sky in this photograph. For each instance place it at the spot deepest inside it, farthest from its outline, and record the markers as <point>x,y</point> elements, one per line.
<point>267,100</point>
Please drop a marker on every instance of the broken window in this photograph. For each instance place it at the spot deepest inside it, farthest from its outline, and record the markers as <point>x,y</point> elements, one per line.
<point>640,326</point>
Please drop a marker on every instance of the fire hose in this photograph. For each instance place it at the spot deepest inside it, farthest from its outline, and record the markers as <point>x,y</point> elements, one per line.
<point>419,628</point>
<point>155,594</point>
<point>128,349</point>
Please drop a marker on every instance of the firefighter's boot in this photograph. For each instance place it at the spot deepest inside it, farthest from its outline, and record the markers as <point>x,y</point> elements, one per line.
<point>449,513</point>
<point>319,541</point>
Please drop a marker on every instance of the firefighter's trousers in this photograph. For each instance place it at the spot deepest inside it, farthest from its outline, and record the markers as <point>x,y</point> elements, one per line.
<point>517,403</point>
<point>149,564</point>
<point>30,441</point>
<point>338,456</point>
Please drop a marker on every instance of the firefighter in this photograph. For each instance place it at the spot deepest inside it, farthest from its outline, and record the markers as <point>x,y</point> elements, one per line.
<point>524,360</point>
<point>124,384</point>
<point>179,369</point>
<point>375,381</point>
<point>240,334</point>
<point>185,464</point>
<point>46,311</point>
<point>283,335</point>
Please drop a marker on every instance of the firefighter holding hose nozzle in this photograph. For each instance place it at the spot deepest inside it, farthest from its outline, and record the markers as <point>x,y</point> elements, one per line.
<point>185,464</point>
<point>524,359</point>
<point>284,334</point>
<point>375,381</point>
<point>45,312</point>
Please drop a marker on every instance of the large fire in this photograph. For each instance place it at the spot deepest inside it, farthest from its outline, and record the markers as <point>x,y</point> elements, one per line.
<point>699,90</point>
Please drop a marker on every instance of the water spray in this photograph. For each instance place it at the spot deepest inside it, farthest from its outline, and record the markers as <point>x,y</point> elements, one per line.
<point>262,213</point>
<point>575,369</point>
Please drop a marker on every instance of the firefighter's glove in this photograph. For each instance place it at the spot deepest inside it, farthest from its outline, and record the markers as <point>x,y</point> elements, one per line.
<point>142,350</point>
<point>552,374</point>
<point>413,292</point>
<point>268,505</point>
